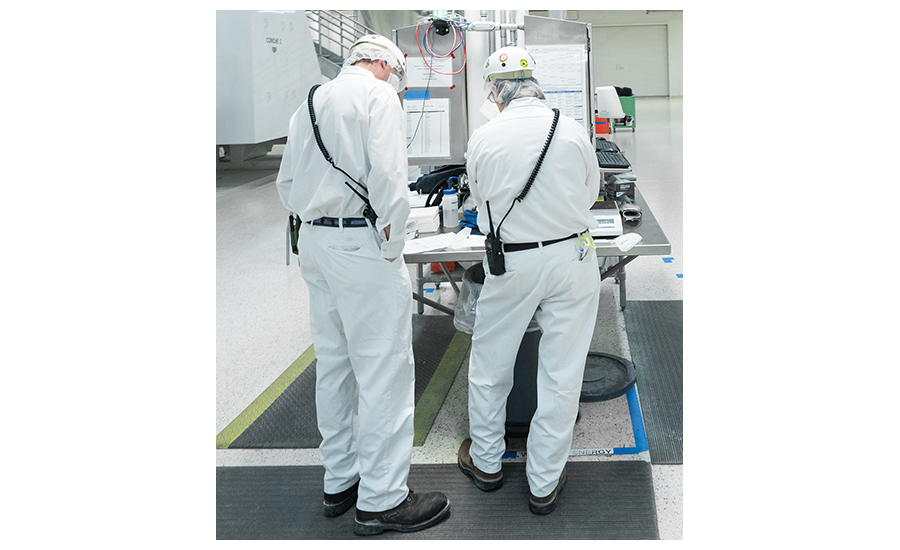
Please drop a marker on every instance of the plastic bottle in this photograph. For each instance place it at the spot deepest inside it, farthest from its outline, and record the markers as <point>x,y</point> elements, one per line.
<point>450,209</point>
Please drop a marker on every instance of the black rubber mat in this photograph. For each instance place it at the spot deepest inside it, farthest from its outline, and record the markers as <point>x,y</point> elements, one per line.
<point>601,501</point>
<point>290,421</point>
<point>656,339</point>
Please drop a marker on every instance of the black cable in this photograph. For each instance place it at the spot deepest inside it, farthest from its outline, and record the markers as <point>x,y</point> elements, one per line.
<point>534,172</point>
<point>424,99</point>
<point>368,212</point>
<point>541,158</point>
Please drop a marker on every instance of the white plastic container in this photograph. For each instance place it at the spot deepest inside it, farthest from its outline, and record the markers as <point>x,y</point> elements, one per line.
<point>450,209</point>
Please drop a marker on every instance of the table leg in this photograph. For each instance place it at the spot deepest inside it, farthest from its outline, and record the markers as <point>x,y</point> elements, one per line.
<point>449,278</point>
<point>619,271</point>
<point>420,288</point>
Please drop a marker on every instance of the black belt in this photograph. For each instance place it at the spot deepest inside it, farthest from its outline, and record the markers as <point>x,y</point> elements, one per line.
<point>336,222</point>
<point>515,247</point>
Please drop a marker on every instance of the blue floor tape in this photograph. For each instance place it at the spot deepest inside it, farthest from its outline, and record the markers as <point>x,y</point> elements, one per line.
<point>637,426</point>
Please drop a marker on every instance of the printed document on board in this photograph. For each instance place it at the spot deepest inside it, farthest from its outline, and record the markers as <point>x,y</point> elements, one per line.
<point>561,70</point>
<point>421,76</point>
<point>427,127</point>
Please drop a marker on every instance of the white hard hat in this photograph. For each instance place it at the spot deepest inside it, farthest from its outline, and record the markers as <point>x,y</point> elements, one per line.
<point>509,62</point>
<point>381,43</point>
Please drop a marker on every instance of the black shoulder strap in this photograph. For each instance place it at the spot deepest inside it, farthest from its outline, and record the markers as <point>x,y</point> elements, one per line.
<point>368,212</point>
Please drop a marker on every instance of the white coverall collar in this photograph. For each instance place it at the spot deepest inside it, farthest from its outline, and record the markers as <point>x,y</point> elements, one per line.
<point>523,102</point>
<point>352,70</point>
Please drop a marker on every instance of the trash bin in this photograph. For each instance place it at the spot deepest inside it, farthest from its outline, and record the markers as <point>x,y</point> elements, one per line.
<point>522,401</point>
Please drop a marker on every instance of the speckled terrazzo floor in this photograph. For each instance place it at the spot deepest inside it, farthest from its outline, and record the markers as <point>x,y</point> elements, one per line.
<point>262,323</point>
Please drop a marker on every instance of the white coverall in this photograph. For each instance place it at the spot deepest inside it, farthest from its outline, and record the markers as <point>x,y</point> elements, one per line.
<point>554,284</point>
<point>360,303</point>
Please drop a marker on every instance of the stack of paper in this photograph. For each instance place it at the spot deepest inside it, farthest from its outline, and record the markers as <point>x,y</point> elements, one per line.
<point>427,218</point>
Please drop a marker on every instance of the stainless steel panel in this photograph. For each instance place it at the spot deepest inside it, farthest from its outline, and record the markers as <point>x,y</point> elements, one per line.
<point>459,128</point>
<point>547,31</point>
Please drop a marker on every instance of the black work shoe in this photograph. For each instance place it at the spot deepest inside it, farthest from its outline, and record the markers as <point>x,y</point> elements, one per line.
<point>485,482</point>
<point>545,505</point>
<point>336,504</point>
<point>415,513</point>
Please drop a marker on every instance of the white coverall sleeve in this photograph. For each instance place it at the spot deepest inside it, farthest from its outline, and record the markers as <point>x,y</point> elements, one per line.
<point>592,181</point>
<point>387,177</point>
<point>285,177</point>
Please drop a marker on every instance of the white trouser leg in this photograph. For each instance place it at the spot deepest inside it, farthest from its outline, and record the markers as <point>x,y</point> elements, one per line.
<point>368,329</point>
<point>505,307</point>
<point>567,319</point>
<point>336,387</point>
<point>562,293</point>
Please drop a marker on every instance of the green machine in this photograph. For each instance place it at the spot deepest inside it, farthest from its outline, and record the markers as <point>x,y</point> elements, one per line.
<point>627,102</point>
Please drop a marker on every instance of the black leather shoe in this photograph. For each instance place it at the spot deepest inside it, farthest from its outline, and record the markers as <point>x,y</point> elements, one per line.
<point>415,513</point>
<point>545,505</point>
<point>336,504</point>
<point>485,482</point>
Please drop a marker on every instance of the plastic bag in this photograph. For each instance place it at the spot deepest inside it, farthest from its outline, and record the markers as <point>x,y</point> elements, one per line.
<point>469,291</point>
<point>464,313</point>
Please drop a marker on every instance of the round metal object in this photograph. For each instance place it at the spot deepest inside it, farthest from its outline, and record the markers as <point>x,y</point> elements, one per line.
<point>606,377</point>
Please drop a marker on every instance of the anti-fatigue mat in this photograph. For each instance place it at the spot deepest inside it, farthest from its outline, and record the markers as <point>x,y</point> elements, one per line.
<point>655,336</point>
<point>290,421</point>
<point>601,501</point>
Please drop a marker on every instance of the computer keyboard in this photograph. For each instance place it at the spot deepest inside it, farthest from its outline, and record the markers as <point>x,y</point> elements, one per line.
<point>612,160</point>
<point>603,145</point>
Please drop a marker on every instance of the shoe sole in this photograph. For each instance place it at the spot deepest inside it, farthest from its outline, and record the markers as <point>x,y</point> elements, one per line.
<point>481,484</point>
<point>374,527</point>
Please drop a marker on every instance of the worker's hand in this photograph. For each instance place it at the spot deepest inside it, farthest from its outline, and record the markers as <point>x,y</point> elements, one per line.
<point>387,237</point>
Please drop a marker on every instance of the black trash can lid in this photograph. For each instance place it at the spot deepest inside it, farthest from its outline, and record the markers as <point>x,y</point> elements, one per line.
<point>475,273</point>
<point>606,377</point>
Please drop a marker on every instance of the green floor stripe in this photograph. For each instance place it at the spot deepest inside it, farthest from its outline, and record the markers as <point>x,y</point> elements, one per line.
<point>231,432</point>
<point>430,403</point>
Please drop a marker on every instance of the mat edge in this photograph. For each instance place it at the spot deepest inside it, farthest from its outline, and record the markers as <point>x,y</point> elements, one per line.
<point>259,405</point>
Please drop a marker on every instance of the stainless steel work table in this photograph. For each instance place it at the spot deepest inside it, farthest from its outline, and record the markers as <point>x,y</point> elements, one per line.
<point>611,260</point>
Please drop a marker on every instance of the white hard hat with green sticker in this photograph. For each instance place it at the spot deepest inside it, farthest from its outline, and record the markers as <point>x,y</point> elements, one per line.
<point>510,62</point>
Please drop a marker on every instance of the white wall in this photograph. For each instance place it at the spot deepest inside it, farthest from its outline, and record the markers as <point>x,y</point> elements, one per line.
<point>673,19</point>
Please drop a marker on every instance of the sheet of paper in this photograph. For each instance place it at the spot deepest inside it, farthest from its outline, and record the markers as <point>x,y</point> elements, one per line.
<point>471,241</point>
<point>454,241</point>
<point>427,127</point>
<point>420,76</point>
<point>424,244</point>
<point>561,70</point>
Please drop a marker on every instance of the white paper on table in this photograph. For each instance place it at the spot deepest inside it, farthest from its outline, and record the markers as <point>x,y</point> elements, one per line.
<point>454,241</point>
<point>470,241</point>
